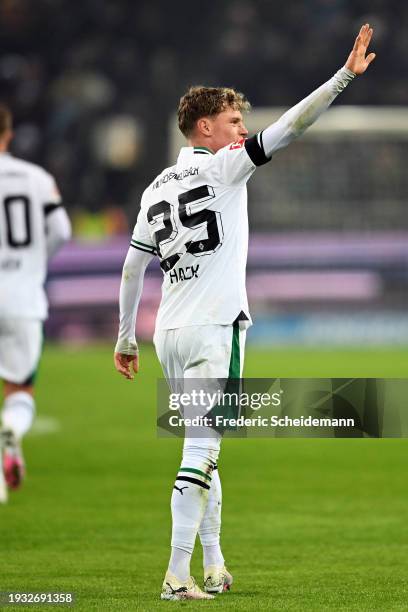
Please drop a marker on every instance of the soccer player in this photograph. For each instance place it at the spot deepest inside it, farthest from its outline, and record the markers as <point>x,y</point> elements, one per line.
<point>193,216</point>
<point>33,226</point>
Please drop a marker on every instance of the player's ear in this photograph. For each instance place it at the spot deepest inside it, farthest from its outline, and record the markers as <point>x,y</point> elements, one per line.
<point>204,126</point>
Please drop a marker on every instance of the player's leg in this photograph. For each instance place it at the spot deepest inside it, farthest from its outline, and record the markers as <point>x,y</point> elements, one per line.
<point>177,584</point>
<point>18,407</point>
<point>21,342</point>
<point>216,578</point>
<point>189,500</point>
<point>190,491</point>
<point>205,355</point>
<point>210,530</point>
<point>17,417</point>
<point>3,484</point>
<point>213,353</point>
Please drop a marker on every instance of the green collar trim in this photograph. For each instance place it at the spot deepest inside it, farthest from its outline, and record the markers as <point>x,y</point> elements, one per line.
<point>204,149</point>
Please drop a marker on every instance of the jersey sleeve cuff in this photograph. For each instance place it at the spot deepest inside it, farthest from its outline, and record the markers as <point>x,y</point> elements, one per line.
<point>49,208</point>
<point>126,347</point>
<point>255,150</point>
<point>142,246</point>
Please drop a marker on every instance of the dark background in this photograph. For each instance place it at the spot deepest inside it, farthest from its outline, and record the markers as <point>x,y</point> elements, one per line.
<point>94,86</point>
<point>68,69</point>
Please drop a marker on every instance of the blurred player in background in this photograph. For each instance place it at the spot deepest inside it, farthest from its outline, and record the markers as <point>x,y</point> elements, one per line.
<point>33,226</point>
<point>194,218</point>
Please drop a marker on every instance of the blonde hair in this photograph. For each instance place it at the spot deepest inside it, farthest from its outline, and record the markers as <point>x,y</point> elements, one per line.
<point>201,101</point>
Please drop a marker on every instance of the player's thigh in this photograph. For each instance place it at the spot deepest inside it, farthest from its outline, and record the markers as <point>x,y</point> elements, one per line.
<point>242,343</point>
<point>165,343</point>
<point>212,351</point>
<point>20,350</point>
<point>207,353</point>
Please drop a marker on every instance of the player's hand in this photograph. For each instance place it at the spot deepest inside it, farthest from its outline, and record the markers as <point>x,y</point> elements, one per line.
<point>126,364</point>
<point>357,61</point>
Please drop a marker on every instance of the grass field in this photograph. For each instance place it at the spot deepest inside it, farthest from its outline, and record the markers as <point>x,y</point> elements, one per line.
<point>308,524</point>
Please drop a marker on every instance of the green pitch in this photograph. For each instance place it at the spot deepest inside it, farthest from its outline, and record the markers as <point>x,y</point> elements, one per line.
<point>308,524</point>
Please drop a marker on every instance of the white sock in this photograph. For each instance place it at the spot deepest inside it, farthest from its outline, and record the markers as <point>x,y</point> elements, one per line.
<point>188,504</point>
<point>210,527</point>
<point>179,564</point>
<point>18,413</point>
<point>212,555</point>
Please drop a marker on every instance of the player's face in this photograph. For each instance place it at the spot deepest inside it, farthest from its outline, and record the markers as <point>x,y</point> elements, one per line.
<point>227,127</point>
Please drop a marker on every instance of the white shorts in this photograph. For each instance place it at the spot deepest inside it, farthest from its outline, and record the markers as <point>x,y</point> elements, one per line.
<point>212,352</point>
<point>20,349</point>
<point>201,351</point>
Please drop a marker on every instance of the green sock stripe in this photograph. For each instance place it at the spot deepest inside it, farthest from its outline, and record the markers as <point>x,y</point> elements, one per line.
<point>234,368</point>
<point>195,471</point>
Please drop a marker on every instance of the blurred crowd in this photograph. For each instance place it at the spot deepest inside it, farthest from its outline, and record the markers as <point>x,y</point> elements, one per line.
<point>93,84</point>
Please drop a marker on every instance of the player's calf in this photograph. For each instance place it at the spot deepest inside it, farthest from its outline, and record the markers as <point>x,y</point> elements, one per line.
<point>13,460</point>
<point>3,485</point>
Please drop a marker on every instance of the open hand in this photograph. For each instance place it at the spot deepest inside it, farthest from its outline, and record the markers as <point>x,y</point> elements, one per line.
<point>357,61</point>
<point>123,362</point>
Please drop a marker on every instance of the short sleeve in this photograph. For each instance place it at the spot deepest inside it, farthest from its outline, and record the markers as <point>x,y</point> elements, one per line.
<point>141,239</point>
<point>235,163</point>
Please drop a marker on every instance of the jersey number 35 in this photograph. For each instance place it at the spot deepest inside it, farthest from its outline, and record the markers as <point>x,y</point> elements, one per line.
<point>209,218</point>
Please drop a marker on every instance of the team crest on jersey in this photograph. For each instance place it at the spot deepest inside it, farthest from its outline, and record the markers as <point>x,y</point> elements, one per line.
<point>237,145</point>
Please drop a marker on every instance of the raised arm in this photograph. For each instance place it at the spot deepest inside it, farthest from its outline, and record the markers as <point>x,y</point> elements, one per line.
<point>126,349</point>
<point>297,119</point>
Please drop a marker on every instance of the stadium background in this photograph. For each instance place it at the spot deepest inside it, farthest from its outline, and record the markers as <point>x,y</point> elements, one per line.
<point>93,87</point>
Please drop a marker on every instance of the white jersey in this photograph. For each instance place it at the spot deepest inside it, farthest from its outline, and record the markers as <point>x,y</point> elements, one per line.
<point>194,217</point>
<point>27,194</point>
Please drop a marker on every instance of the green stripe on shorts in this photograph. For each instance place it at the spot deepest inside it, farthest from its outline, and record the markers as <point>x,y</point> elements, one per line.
<point>234,367</point>
<point>195,471</point>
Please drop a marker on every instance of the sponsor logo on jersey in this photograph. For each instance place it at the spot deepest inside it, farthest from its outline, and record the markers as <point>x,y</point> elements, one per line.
<point>237,145</point>
<point>177,176</point>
